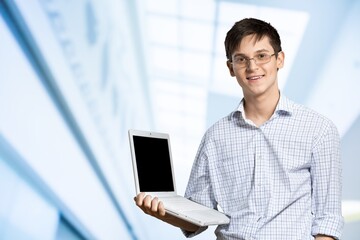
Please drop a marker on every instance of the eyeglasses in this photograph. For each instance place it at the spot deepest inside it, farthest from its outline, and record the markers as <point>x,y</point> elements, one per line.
<point>259,59</point>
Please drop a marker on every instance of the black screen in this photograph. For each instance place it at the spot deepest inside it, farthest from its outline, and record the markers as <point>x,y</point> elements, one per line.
<point>153,164</point>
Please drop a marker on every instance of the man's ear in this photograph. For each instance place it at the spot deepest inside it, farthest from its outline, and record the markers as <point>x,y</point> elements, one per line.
<point>280,60</point>
<point>231,68</point>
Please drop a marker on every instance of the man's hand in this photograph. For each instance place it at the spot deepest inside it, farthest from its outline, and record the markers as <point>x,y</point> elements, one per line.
<point>155,208</point>
<point>150,206</point>
<point>323,237</point>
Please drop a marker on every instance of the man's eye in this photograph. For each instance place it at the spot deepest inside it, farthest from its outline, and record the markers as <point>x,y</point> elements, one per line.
<point>240,59</point>
<point>261,56</point>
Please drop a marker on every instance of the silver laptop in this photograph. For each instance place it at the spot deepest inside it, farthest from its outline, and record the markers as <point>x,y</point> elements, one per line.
<point>154,175</point>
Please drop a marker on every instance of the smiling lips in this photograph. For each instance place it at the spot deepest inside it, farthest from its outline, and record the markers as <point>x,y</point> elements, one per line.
<point>255,77</point>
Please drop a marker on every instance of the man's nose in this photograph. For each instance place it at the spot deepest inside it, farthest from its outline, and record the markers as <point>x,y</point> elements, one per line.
<point>251,64</point>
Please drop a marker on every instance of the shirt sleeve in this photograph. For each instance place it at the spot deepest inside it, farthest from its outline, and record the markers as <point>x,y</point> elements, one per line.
<point>199,187</point>
<point>326,178</point>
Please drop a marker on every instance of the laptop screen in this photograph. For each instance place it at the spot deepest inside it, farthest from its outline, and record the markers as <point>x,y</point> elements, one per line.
<point>153,164</point>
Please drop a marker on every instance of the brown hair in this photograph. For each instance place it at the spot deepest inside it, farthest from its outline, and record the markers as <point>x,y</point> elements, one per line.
<point>249,26</point>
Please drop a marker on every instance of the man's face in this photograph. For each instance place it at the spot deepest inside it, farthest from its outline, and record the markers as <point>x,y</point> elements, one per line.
<point>256,79</point>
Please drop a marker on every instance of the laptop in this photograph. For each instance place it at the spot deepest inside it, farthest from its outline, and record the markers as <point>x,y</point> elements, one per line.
<point>154,174</point>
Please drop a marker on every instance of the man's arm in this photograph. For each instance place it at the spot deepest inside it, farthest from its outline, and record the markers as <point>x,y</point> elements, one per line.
<point>155,208</point>
<point>326,184</point>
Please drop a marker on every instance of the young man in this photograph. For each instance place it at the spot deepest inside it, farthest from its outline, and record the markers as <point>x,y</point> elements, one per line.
<point>272,165</point>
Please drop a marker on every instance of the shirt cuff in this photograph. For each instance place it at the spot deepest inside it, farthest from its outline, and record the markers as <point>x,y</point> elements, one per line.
<point>328,225</point>
<point>192,234</point>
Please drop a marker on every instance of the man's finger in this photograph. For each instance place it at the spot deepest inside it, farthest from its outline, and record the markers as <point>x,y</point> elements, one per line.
<point>139,199</point>
<point>147,202</point>
<point>154,205</point>
<point>161,209</point>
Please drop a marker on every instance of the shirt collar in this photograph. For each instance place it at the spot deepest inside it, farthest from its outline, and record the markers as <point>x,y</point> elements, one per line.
<point>284,107</point>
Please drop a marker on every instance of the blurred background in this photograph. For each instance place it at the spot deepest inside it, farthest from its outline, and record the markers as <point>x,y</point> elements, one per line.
<point>76,75</point>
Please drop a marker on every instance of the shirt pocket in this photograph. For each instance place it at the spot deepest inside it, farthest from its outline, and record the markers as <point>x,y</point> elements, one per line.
<point>232,177</point>
<point>296,156</point>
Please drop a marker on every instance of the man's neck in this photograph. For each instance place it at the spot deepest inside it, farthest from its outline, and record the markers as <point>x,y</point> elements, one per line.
<point>259,109</point>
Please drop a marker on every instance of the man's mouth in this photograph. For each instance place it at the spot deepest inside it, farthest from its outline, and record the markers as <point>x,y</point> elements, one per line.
<point>257,77</point>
